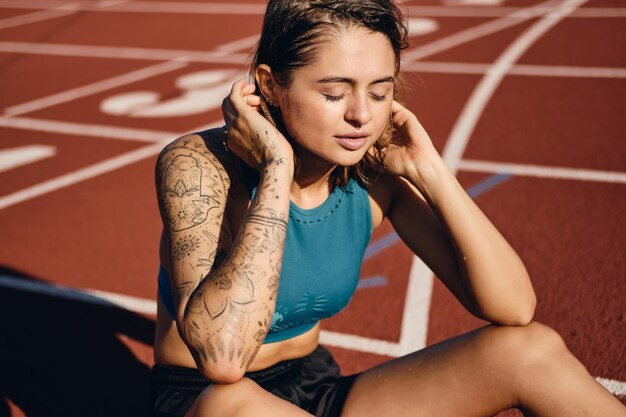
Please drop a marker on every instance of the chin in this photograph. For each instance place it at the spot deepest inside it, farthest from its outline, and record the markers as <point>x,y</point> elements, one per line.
<point>349,158</point>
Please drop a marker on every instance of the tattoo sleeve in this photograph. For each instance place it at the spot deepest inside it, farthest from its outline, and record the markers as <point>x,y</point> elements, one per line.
<point>224,291</point>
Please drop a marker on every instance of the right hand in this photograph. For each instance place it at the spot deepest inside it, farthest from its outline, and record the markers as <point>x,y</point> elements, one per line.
<point>250,135</point>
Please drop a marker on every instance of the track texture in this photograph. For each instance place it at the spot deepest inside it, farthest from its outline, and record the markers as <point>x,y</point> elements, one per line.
<point>525,100</point>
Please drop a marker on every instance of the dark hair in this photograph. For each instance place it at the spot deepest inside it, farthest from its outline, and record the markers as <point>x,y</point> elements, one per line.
<point>292,31</point>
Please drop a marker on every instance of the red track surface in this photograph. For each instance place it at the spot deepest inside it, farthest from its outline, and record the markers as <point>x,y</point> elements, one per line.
<point>64,357</point>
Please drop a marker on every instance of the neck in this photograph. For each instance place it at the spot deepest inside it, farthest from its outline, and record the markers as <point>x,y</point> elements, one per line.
<point>311,185</point>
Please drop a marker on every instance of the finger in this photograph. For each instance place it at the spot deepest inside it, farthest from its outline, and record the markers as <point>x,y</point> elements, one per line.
<point>237,87</point>
<point>253,100</point>
<point>396,107</point>
<point>248,89</point>
<point>400,114</point>
<point>236,97</point>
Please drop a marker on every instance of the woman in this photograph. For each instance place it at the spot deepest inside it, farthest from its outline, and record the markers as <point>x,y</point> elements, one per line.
<point>266,222</point>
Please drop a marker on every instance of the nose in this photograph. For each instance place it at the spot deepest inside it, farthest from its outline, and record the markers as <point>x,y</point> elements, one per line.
<point>358,112</point>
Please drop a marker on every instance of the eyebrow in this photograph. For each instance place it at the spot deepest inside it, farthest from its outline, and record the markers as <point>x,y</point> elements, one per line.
<point>352,81</point>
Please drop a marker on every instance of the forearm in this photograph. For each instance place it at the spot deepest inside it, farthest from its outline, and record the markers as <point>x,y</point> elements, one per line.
<point>492,272</point>
<point>229,313</point>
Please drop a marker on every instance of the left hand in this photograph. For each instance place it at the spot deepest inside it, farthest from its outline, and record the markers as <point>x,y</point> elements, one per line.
<point>410,144</point>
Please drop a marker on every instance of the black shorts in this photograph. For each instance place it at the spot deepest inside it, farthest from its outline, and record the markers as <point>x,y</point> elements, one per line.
<point>313,383</point>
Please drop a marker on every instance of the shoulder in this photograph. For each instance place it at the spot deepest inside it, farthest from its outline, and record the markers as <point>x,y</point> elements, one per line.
<point>386,191</point>
<point>203,153</point>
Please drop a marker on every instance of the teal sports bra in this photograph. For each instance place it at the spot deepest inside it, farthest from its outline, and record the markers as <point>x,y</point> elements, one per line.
<point>321,263</point>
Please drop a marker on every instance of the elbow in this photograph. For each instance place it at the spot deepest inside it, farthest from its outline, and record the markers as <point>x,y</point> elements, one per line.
<point>210,362</point>
<point>216,369</point>
<point>521,315</point>
<point>221,374</point>
<point>527,313</point>
<point>526,310</point>
<point>522,311</point>
<point>522,318</point>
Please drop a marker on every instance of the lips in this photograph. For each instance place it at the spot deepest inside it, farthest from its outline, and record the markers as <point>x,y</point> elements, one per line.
<point>352,141</point>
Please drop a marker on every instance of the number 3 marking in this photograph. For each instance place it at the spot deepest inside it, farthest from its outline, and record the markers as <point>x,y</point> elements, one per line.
<point>203,91</point>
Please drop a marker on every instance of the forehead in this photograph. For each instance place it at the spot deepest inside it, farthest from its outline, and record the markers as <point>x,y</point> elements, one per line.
<point>352,52</point>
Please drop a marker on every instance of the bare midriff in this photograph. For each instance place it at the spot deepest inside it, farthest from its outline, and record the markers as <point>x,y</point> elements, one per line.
<point>169,349</point>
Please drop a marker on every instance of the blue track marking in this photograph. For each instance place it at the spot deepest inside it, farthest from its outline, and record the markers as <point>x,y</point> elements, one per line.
<point>375,281</point>
<point>488,184</point>
<point>380,245</point>
<point>389,239</point>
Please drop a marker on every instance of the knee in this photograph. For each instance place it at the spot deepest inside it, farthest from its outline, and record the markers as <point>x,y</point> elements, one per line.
<point>226,400</point>
<point>531,345</point>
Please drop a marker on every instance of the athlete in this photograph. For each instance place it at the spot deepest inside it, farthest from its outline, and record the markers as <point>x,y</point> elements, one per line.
<point>265,226</point>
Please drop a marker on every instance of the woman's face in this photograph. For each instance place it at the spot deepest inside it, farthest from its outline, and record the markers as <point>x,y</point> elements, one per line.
<point>337,106</point>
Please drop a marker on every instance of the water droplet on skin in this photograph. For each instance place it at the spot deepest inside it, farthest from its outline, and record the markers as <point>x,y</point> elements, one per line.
<point>410,369</point>
<point>379,375</point>
<point>385,380</point>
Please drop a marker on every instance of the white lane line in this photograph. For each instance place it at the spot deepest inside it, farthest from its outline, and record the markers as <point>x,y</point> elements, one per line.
<point>568,71</point>
<point>121,52</point>
<point>15,157</point>
<point>491,3</point>
<point>444,11</point>
<point>518,69</point>
<point>417,320</point>
<point>219,57</point>
<point>89,130</point>
<point>114,82</point>
<point>149,307</point>
<point>256,9</point>
<point>414,333</point>
<point>53,11</point>
<point>144,6</point>
<point>97,297</point>
<point>577,174</point>
<point>190,7</point>
<point>33,17</point>
<point>32,4</point>
<point>79,175</point>
<point>88,172</point>
<point>476,32</point>
<point>615,387</point>
<point>360,343</point>
<point>244,43</point>
<point>601,12</point>
<point>475,105</point>
<point>94,88</point>
<point>127,302</point>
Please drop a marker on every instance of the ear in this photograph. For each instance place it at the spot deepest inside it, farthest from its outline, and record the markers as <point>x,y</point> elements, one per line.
<point>267,84</point>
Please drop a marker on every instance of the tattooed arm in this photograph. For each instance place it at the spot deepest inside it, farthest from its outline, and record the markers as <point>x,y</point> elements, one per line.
<point>224,294</point>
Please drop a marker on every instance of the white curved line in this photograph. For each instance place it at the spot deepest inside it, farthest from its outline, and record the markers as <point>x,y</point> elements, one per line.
<point>148,307</point>
<point>415,318</point>
<point>474,107</point>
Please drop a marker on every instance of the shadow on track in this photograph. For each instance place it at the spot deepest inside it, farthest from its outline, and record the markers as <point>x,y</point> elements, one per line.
<point>63,357</point>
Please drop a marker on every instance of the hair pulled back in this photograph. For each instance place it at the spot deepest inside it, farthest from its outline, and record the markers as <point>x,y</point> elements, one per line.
<point>292,32</point>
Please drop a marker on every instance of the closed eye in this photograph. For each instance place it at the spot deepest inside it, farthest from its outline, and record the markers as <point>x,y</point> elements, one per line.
<point>333,99</point>
<point>376,97</point>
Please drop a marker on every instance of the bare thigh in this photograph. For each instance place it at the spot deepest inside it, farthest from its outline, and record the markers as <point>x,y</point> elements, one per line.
<point>474,374</point>
<point>244,398</point>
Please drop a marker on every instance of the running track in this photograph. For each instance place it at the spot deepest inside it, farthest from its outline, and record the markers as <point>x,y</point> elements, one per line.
<point>525,100</point>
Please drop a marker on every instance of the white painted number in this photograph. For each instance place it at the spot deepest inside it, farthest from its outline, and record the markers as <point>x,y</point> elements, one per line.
<point>24,155</point>
<point>419,26</point>
<point>474,2</point>
<point>202,92</point>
